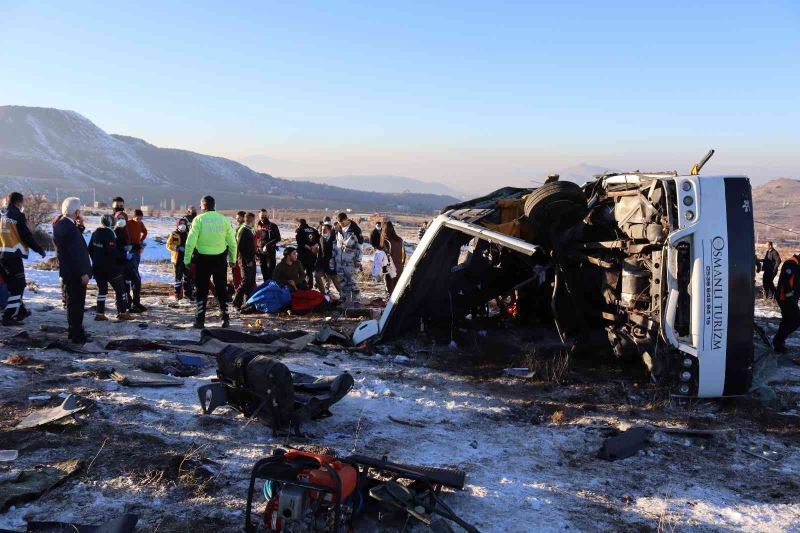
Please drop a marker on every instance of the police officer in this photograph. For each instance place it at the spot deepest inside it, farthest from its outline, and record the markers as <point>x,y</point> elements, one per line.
<point>787,294</point>
<point>15,240</point>
<point>246,249</point>
<point>210,241</point>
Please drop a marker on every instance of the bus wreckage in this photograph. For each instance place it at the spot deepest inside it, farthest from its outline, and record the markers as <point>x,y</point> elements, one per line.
<point>655,266</point>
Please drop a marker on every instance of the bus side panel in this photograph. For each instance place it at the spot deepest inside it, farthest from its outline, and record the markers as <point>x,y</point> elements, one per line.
<point>741,272</point>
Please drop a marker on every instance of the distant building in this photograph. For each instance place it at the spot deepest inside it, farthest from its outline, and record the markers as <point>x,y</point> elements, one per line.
<point>147,209</point>
<point>100,205</point>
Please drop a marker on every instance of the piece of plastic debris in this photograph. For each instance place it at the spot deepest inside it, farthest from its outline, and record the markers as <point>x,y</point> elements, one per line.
<point>45,416</point>
<point>7,456</point>
<point>39,397</point>
<point>401,359</point>
<point>519,372</point>
<point>192,360</point>
<point>138,378</point>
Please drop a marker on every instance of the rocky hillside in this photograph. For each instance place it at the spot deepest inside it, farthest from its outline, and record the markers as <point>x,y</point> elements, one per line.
<point>42,149</point>
<point>777,203</point>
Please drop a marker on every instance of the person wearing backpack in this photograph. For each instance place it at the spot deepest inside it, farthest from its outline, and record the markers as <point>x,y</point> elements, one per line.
<point>107,263</point>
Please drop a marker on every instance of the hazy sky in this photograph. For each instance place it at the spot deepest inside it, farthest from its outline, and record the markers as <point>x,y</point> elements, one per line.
<point>471,94</point>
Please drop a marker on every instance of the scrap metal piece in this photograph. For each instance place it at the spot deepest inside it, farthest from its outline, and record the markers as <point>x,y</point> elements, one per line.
<point>68,407</point>
<point>138,378</point>
<point>212,396</point>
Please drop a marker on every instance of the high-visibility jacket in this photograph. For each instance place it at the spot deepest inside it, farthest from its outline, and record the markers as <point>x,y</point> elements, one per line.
<point>175,242</point>
<point>211,234</point>
<point>787,281</point>
<point>15,237</point>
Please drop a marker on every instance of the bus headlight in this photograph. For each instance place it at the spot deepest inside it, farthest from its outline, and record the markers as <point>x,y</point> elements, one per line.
<point>689,215</point>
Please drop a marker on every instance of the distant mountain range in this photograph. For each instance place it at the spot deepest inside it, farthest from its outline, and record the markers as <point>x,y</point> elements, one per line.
<point>43,149</point>
<point>376,183</point>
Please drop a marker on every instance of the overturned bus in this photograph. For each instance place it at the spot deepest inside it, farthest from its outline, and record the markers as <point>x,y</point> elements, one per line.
<point>655,266</point>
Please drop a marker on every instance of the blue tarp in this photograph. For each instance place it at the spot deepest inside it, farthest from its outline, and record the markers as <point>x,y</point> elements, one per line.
<point>270,298</point>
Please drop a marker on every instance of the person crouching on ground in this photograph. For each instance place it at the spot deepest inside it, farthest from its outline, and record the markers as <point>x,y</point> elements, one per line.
<point>212,238</point>
<point>246,250</point>
<point>290,272</point>
<point>15,240</point>
<point>74,266</point>
<point>176,243</point>
<point>107,264</point>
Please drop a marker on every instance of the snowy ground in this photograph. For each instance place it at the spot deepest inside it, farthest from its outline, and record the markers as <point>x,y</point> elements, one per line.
<point>528,446</point>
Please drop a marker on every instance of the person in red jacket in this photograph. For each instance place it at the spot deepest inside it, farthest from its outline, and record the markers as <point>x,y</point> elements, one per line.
<point>137,232</point>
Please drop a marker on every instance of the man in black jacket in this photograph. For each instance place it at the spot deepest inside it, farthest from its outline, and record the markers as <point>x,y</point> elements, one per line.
<point>787,295</point>
<point>769,266</point>
<point>74,266</point>
<point>246,257</point>
<point>268,236</point>
<point>307,249</point>
<point>15,240</point>
<point>107,263</point>
<point>375,236</point>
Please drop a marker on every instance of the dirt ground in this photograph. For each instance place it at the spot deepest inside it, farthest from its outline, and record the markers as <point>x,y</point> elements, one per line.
<point>528,445</point>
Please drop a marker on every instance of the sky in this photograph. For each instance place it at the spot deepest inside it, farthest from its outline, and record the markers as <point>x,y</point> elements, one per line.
<point>469,94</point>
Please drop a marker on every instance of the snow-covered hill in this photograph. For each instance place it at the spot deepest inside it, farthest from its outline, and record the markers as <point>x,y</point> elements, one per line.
<point>42,149</point>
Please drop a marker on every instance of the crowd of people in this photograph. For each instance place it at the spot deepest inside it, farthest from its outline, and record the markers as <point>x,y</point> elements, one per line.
<point>203,248</point>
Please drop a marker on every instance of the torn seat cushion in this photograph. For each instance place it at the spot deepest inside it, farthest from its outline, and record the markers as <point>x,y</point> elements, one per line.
<point>251,378</point>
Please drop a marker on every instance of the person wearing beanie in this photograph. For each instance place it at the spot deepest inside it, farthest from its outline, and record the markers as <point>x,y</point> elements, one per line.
<point>15,240</point>
<point>107,264</point>
<point>75,267</point>
<point>176,243</point>
<point>210,242</point>
<point>290,272</point>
